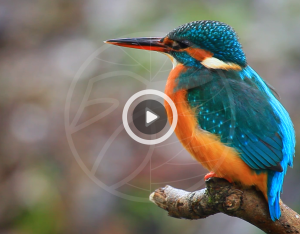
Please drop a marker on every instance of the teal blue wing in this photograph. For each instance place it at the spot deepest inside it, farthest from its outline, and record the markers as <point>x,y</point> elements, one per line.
<point>242,110</point>
<point>242,117</point>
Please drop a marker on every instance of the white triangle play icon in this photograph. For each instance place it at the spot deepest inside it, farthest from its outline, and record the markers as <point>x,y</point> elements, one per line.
<point>150,117</point>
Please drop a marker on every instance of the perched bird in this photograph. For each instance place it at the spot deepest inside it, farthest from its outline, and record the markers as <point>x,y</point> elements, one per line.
<point>229,118</point>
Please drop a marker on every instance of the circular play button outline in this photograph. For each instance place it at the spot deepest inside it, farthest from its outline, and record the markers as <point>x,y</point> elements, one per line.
<point>125,116</point>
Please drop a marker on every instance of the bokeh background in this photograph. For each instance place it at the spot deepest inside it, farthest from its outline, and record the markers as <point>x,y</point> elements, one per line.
<point>68,168</point>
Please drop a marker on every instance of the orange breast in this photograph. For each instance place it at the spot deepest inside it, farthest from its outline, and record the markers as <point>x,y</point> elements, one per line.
<point>206,147</point>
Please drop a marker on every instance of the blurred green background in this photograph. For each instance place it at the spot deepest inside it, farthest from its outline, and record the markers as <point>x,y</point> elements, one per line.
<point>90,176</point>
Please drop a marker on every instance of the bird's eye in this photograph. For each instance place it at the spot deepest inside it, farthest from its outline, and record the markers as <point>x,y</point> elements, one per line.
<point>177,45</point>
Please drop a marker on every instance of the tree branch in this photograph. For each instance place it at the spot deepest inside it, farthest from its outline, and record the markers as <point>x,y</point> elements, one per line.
<point>222,196</point>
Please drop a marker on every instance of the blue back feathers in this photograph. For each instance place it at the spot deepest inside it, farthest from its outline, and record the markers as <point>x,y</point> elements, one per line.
<point>287,133</point>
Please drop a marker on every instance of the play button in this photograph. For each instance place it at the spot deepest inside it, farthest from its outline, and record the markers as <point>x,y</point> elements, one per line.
<point>149,117</point>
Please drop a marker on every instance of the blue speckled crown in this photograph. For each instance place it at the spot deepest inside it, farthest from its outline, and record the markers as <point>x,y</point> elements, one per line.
<point>216,37</point>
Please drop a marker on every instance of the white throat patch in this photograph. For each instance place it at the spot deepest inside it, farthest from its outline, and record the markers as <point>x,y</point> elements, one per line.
<point>174,61</point>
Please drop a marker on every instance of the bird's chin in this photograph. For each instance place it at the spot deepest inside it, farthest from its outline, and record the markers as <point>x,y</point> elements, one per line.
<point>173,60</point>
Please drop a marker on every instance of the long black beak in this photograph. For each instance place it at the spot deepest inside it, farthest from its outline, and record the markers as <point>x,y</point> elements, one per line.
<point>143,43</point>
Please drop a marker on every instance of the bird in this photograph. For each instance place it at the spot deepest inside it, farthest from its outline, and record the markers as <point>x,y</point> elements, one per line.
<point>229,118</point>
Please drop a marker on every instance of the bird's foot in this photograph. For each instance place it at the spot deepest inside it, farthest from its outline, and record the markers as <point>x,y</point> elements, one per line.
<point>212,174</point>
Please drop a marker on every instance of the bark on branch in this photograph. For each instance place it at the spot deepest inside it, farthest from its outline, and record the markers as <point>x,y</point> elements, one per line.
<point>222,196</point>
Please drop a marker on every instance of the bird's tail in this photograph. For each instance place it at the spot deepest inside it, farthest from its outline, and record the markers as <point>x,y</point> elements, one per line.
<point>275,180</point>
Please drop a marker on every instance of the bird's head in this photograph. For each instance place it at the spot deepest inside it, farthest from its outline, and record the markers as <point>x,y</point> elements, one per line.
<point>211,44</point>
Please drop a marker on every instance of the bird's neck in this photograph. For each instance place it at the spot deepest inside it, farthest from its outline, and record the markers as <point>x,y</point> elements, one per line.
<point>173,79</point>
<point>187,77</point>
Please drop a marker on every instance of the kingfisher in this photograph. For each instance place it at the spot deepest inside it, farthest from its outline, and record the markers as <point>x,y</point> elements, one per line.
<point>229,118</point>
